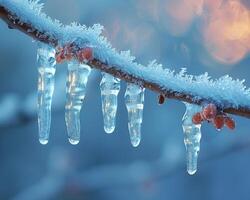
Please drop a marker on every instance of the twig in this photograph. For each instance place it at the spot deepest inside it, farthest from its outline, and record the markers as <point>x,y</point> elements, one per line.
<point>14,22</point>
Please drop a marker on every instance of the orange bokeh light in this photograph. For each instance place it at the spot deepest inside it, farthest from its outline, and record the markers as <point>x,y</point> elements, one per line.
<point>179,14</point>
<point>125,34</point>
<point>225,26</point>
<point>227,32</point>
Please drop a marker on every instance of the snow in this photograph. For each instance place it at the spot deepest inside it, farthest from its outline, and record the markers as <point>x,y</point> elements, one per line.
<point>223,91</point>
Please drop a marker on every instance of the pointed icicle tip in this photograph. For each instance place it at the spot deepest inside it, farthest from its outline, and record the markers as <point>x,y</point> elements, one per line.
<point>77,79</point>
<point>135,133</point>
<point>46,72</point>
<point>110,87</point>
<point>109,130</point>
<point>191,172</point>
<point>73,142</point>
<point>135,141</point>
<point>134,99</point>
<point>43,141</point>
<point>192,137</point>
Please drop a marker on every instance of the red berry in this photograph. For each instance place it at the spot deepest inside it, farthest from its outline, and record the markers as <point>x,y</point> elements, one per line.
<point>229,122</point>
<point>161,99</point>
<point>85,54</point>
<point>209,112</point>
<point>69,56</point>
<point>197,119</point>
<point>59,57</point>
<point>218,121</point>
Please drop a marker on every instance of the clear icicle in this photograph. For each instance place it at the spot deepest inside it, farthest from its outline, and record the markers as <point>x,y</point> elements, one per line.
<point>110,87</point>
<point>77,79</point>
<point>134,99</point>
<point>192,137</point>
<point>46,71</point>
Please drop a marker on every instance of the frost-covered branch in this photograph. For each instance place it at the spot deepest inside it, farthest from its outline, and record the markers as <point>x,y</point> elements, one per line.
<point>231,96</point>
<point>85,48</point>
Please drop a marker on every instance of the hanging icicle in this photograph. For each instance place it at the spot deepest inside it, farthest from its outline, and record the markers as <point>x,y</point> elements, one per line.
<point>110,87</point>
<point>134,99</point>
<point>77,79</point>
<point>46,71</point>
<point>192,137</point>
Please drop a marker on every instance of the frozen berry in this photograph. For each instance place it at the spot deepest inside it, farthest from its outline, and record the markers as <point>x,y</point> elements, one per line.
<point>161,99</point>
<point>197,119</point>
<point>218,121</point>
<point>229,122</point>
<point>59,57</point>
<point>85,54</point>
<point>209,112</point>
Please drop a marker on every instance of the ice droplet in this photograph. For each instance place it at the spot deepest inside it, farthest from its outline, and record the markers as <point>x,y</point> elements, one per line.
<point>74,142</point>
<point>110,87</point>
<point>46,72</point>
<point>77,79</point>
<point>192,137</point>
<point>43,141</point>
<point>134,99</point>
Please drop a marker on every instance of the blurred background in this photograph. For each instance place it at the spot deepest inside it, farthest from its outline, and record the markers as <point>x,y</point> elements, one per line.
<point>202,35</point>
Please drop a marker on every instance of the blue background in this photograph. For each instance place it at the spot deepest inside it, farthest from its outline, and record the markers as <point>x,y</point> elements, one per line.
<point>106,166</point>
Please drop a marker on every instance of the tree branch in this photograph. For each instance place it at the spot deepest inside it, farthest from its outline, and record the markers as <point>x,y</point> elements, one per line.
<point>14,22</point>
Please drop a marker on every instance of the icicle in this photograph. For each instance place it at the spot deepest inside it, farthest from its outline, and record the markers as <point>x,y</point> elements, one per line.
<point>110,87</point>
<point>46,70</point>
<point>192,137</point>
<point>134,99</point>
<point>76,89</point>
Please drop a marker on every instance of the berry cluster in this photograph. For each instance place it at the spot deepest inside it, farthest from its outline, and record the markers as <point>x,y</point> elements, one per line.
<point>210,113</point>
<point>70,51</point>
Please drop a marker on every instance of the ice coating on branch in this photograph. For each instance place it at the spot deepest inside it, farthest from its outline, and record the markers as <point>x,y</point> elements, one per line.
<point>223,91</point>
<point>110,87</point>
<point>192,137</point>
<point>134,99</point>
<point>46,72</point>
<point>77,79</point>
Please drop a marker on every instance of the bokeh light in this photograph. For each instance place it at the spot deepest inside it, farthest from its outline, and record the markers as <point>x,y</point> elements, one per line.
<point>226,31</point>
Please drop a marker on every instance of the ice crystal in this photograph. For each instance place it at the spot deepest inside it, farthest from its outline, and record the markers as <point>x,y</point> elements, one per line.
<point>134,99</point>
<point>75,93</point>
<point>110,88</point>
<point>192,137</point>
<point>46,70</point>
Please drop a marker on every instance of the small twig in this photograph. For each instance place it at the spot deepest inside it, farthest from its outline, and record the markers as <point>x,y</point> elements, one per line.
<point>30,30</point>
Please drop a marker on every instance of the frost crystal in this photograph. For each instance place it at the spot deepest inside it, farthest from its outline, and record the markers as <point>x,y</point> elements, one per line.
<point>75,92</point>
<point>222,91</point>
<point>192,137</point>
<point>46,70</point>
<point>110,87</point>
<point>134,99</point>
